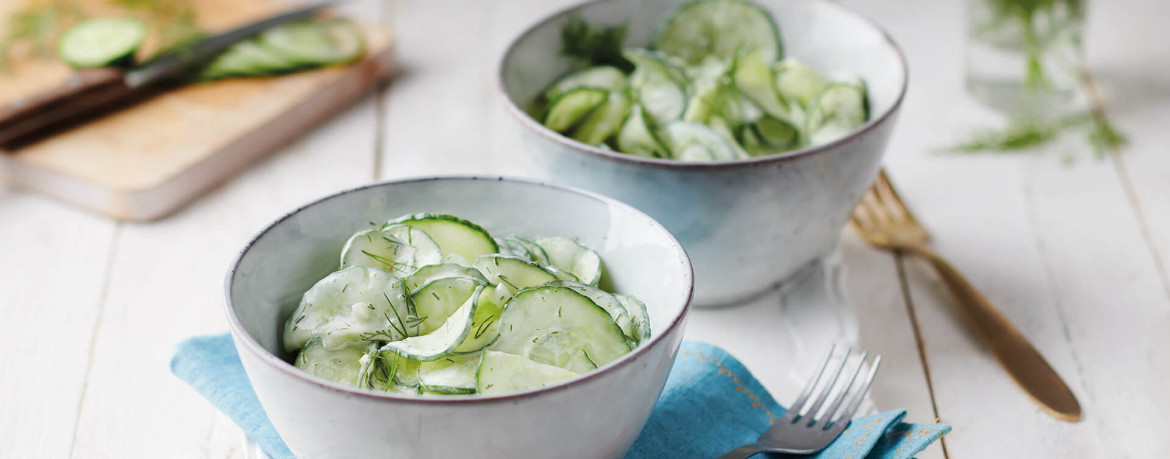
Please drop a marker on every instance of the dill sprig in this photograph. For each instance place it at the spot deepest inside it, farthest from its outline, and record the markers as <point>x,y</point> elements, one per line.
<point>1024,133</point>
<point>595,45</point>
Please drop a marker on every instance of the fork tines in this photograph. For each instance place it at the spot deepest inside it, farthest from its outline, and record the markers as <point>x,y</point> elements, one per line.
<point>822,388</point>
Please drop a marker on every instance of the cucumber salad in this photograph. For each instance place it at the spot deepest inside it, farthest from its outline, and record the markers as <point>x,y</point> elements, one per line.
<point>433,304</point>
<point>714,86</point>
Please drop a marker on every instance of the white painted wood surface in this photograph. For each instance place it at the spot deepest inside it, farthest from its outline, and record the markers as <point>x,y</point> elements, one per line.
<point>1075,255</point>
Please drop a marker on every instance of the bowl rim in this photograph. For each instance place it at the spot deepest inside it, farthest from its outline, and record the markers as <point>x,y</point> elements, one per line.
<point>241,335</point>
<point>765,160</point>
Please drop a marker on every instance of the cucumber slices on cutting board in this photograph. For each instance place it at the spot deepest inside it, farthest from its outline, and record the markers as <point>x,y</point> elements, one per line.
<point>715,86</point>
<point>433,304</point>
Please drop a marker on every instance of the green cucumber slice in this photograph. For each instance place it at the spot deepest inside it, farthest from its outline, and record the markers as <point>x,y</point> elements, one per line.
<point>636,138</point>
<point>397,249</point>
<point>515,272</point>
<point>561,274</point>
<point>774,135</point>
<point>605,121</point>
<point>100,42</point>
<point>356,303</point>
<point>607,301</point>
<point>660,86</point>
<point>500,372</point>
<point>580,363</point>
<point>443,340</point>
<point>436,301</point>
<point>484,328</point>
<point>343,365</point>
<point>602,77</point>
<point>721,28</point>
<point>689,141</point>
<point>640,319</point>
<point>837,111</point>
<point>453,234</point>
<point>523,248</point>
<point>315,43</point>
<point>552,324</point>
<point>753,76</point>
<point>454,374</point>
<point>572,107</point>
<point>429,273</point>
<point>797,81</point>
<point>567,254</point>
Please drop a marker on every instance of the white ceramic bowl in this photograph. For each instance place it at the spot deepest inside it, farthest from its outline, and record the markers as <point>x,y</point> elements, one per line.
<point>746,224</point>
<point>595,416</point>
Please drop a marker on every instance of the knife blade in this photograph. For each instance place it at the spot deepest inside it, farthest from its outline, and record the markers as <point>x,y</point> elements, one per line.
<point>92,92</point>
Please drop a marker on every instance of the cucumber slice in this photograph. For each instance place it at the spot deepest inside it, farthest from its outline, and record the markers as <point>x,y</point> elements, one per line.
<point>838,110</point>
<point>397,249</point>
<point>442,341</point>
<point>436,301</point>
<point>753,77</point>
<point>567,254</point>
<point>450,375</point>
<point>580,363</point>
<point>405,370</point>
<point>605,121</point>
<point>607,301</point>
<point>660,86</point>
<point>700,28</point>
<point>453,234</point>
<point>552,324</point>
<point>429,273</point>
<point>572,107</point>
<point>636,138</point>
<point>601,77</point>
<point>523,248</point>
<point>516,273</point>
<point>500,372</point>
<point>638,316</point>
<point>776,135</point>
<point>100,42</point>
<point>260,59</point>
<point>343,365</point>
<point>796,80</point>
<point>356,303</point>
<point>697,142</point>
<point>561,274</point>
<point>315,43</point>
<point>485,324</point>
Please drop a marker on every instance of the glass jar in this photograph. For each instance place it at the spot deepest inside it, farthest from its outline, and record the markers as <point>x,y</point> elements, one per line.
<point>1024,56</point>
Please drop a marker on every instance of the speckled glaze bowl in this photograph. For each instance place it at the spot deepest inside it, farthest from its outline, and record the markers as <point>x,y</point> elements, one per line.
<point>746,224</point>
<point>597,415</point>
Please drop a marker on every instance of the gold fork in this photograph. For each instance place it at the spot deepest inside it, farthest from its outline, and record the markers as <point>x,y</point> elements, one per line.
<point>881,219</point>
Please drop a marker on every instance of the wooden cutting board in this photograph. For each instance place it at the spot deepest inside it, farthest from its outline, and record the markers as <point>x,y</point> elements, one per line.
<point>148,160</point>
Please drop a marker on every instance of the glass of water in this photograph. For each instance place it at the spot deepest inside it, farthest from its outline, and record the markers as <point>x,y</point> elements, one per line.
<point>1024,56</point>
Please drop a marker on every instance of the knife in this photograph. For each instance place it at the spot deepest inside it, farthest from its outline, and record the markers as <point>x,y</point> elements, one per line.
<point>91,92</point>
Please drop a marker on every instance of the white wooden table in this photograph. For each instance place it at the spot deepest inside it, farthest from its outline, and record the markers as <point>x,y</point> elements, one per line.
<point>1076,255</point>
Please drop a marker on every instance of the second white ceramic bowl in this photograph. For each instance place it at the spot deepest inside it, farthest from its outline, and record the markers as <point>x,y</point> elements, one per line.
<point>746,224</point>
<point>597,415</point>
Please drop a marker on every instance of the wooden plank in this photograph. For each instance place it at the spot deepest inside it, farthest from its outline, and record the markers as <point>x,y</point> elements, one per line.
<point>52,271</point>
<point>165,286</point>
<point>1131,74</point>
<point>872,288</point>
<point>1057,248</point>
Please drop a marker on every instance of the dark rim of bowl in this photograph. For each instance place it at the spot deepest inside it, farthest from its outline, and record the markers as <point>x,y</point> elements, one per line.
<point>279,364</point>
<point>574,145</point>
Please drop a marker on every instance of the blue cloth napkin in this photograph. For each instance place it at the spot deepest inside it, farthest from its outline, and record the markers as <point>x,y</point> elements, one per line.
<point>710,405</point>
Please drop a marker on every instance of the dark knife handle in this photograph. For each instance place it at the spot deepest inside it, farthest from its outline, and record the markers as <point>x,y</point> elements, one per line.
<point>87,93</point>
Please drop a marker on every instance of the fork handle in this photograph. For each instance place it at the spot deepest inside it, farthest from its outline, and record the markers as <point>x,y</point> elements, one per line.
<point>743,452</point>
<point>1021,360</point>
